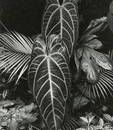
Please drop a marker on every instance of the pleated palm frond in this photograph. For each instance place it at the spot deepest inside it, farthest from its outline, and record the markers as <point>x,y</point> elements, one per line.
<point>103,88</point>
<point>15,53</point>
<point>70,124</point>
<point>96,66</point>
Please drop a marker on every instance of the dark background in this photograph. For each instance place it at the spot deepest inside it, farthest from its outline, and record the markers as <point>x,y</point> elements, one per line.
<point>25,16</point>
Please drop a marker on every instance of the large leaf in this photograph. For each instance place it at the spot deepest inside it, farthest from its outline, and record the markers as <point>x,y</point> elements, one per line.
<point>15,51</point>
<point>49,78</point>
<point>61,19</point>
<point>90,62</point>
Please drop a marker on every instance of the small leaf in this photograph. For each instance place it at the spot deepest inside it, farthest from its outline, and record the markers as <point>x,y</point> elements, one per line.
<point>94,44</point>
<point>81,129</point>
<point>96,25</point>
<point>108,127</point>
<point>13,124</point>
<point>108,117</point>
<point>101,123</point>
<point>91,118</point>
<point>79,102</point>
<point>101,60</point>
<point>89,66</point>
<point>84,119</point>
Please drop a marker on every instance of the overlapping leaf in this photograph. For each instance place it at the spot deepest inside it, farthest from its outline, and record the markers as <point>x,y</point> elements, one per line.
<point>90,62</point>
<point>61,18</point>
<point>15,51</point>
<point>90,58</point>
<point>49,79</point>
<point>98,69</point>
<point>96,65</point>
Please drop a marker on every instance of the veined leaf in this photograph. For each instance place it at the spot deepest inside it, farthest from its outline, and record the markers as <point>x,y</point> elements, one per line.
<point>49,78</point>
<point>15,53</point>
<point>61,19</point>
<point>101,60</point>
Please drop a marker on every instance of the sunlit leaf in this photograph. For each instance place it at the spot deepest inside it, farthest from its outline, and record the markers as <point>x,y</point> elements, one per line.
<point>84,119</point>
<point>80,101</point>
<point>89,66</point>
<point>81,129</point>
<point>102,60</point>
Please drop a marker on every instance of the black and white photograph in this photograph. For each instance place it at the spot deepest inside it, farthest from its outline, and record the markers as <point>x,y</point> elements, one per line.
<point>56,64</point>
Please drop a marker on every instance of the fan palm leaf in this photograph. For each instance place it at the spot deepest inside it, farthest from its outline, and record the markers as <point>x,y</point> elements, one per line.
<point>103,88</point>
<point>15,54</point>
<point>97,67</point>
<point>70,124</point>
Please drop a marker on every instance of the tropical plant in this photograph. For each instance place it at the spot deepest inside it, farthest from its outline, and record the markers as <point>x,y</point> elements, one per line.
<point>46,60</point>
<point>88,123</point>
<point>96,65</point>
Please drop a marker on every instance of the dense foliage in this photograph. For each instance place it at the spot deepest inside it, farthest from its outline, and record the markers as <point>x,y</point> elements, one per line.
<point>62,78</point>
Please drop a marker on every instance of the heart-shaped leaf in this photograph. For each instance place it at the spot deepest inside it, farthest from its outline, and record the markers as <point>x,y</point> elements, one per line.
<point>49,79</point>
<point>61,19</point>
